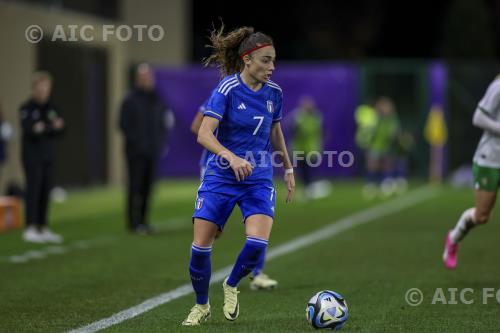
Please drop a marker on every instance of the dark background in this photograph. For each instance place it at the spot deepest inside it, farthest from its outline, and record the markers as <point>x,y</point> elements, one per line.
<point>340,29</point>
<point>365,28</point>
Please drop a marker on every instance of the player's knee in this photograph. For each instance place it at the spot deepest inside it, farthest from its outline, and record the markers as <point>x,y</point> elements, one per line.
<point>218,234</point>
<point>203,242</point>
<point>482,217</point>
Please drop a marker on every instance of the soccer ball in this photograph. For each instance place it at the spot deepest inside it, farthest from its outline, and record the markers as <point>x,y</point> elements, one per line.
<point>327,309</point>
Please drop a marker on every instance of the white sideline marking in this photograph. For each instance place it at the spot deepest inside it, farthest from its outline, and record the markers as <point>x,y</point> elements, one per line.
<point>55,250</point>
<point>175,223</point>
<point>330,230</point>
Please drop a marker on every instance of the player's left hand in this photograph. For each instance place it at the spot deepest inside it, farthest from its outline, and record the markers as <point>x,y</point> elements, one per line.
<point>290,185</point>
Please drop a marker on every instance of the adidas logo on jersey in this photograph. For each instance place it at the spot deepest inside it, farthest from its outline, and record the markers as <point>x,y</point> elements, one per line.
<point>242,106</point>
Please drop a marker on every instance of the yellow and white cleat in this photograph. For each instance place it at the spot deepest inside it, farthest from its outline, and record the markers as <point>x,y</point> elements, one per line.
<point>231,307</point>
<point>198,314</point>
<point>263,282</point>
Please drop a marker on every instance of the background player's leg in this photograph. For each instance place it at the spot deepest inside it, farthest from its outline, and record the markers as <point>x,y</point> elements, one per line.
<point>133,198</point>
<point>33,185</point>
<point>200,266</point>
<point>45,187</point>
<point>33,180</point>
<point>485,201</point>
<point>43,209</point>
<point>147,184</point>
<point>370,189</point>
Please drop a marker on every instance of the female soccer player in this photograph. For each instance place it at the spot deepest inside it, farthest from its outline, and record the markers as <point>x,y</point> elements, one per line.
<point>259,280</point>
<point>486,169</point>
<point>245,109</point>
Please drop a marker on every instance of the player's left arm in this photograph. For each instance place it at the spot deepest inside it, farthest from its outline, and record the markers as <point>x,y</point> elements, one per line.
<point>279,145</point>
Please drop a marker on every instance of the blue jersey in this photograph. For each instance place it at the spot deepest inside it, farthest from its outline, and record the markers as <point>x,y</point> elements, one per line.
<point>246,118</point>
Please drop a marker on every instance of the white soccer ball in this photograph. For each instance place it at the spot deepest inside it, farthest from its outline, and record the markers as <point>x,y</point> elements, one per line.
<point>327,309</point>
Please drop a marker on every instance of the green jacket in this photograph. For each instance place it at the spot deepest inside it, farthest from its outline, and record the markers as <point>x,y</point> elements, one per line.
<point>308,131</point>
<point>385,134</point>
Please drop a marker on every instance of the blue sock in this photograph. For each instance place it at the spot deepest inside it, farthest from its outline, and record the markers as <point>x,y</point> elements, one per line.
<point>200,272</point>
<point>247,260</point>
<point>372,177</point>
<point>387,175</point>
<point>260,264</point>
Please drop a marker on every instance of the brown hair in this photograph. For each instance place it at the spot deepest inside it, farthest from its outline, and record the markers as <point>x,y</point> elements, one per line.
<point>227,48</point>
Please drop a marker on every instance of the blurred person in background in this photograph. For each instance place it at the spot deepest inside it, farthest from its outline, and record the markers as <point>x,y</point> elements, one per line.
<point>365,117</point>
<point>381,150</point>
<point>144,121</point>
<point>404,146</point>
<point>307,139</point>
<point>6,132</point>
<point>41,124</point>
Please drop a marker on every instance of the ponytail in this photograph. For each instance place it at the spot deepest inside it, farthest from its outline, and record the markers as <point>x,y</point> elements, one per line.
<point>229,48</point>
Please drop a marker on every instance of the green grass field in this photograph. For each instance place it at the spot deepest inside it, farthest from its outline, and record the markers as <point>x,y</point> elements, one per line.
<point>101,270</point>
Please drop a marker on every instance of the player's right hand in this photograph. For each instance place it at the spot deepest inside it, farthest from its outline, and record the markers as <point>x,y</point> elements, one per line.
<point>241,168</point>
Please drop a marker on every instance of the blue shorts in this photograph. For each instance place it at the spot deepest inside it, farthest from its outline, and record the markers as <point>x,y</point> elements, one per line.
<point>215,201</point>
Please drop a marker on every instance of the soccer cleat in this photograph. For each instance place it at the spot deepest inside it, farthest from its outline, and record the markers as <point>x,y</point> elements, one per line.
<point>198,314</point>
<point>32,235</point>
<point>450,253</point>
<point>263,282</point>
<point>231,307</point>
<point>50,237</point>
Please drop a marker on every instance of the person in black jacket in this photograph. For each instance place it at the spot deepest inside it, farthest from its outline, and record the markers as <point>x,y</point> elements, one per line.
<point>144,121</point>
<point>41,123</point>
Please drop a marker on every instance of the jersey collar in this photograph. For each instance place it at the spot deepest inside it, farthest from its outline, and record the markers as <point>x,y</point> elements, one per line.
<point>248,88</point>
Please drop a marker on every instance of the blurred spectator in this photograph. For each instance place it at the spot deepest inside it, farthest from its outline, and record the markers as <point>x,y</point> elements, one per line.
<point>41,123</point>
<point>366,117</point>
<point>6,132</point>
<point>144,121</point>
<point>404,146</point>
<point>382,149</point>
<point>307,139</point>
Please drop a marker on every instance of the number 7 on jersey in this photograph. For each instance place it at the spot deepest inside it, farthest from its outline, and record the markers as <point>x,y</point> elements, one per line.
<point>261,119</point>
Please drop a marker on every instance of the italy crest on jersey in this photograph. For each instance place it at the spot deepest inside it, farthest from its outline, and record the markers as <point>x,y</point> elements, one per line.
<point>270,106</point>
<point>199,203</point>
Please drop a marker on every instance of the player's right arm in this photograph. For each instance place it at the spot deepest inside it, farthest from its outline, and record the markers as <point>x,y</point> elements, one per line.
<point>486,114</point>
<point>484,122</point>
<point>241,167</point>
